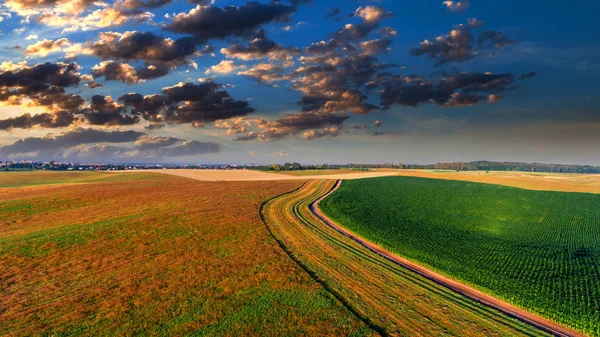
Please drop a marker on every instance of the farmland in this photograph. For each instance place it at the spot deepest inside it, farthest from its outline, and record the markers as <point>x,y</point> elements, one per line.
<point>251,175</point>
<point>387,297</point>
<point>537,249</point>
<point>561,182</point>
<point>304,173</point>
<point>32,178</point>
<point>106,254</point>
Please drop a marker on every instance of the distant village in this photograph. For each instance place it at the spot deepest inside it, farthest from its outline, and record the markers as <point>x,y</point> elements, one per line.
<point>28,165</point>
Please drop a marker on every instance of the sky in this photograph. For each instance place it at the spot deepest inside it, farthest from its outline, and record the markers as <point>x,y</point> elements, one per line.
<point>309,81</point>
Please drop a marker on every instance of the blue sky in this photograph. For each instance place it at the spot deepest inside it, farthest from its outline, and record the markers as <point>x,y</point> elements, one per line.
<point>528,92</point>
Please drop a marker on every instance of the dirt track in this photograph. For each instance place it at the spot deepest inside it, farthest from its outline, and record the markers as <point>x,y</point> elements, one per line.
<point>250,175</point>
<point>469,292</point>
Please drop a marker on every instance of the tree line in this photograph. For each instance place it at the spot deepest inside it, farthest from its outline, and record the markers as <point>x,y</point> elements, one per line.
<point>453,166</point>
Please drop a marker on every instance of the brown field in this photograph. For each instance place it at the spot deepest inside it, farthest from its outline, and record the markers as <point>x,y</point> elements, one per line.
<point>251,175</point>
<point>314,173</point>
<point>564,182</point>
<point>153,255</point>
<point>390,298</point>
<point>589,183</point>
<point>31,178</point>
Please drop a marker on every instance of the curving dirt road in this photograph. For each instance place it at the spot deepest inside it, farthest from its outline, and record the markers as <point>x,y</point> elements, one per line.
<point>460,288</point>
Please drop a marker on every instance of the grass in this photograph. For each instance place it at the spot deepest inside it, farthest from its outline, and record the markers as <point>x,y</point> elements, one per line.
<point>34,178</point>
<point>537,249</point>
<point>387,297</point>
<point>104,254</point>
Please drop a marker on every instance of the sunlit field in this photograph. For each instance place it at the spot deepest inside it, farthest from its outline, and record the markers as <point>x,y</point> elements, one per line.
<point>392,299</point>
<point>564,182</point>
<point>537,249</point>
<point>127,254</point>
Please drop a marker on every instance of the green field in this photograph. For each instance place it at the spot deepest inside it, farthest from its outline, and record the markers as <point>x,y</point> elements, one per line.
<point>537,249</point>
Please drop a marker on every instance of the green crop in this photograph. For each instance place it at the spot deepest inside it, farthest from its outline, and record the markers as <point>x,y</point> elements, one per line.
<point>539,250</point>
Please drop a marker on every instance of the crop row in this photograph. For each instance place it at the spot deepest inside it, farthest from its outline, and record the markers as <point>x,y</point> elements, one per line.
<point>537,249</point>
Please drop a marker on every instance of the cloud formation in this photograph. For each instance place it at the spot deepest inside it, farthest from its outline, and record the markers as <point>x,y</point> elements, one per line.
<point>186,103</point>
<point>224,67</point>
<point>309,125</point>
<point>451,90</point>
<point>342,73</point>
<point>117,71</point>
<point>147,47</point>
<point>260,47</point>
<point>210,22</point>
<point>95,144</point>
<point>459,45</point>
<point>45,47</point>
<point>457,6</point>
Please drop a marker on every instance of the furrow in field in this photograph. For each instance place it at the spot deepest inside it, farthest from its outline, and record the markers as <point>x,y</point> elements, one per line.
<point>387,296</point>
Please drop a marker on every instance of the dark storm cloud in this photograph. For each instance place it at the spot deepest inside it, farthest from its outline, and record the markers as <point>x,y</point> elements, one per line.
<point>43,120</point>
<point>211,22</point>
